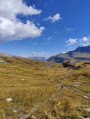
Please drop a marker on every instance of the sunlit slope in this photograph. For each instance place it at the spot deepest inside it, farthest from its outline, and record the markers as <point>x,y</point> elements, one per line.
<point>28,83</point>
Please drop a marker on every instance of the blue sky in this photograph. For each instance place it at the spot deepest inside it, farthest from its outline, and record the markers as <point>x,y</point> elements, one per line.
<point>43,27</point>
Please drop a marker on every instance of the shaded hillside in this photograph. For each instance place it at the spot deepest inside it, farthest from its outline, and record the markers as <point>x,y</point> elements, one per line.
<point>79,54</point>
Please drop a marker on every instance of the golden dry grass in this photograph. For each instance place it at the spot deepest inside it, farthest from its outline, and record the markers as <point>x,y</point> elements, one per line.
<point>38,85</point>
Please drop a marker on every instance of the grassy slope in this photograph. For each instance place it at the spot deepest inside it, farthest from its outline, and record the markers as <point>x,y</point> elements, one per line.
<point>41,83</point>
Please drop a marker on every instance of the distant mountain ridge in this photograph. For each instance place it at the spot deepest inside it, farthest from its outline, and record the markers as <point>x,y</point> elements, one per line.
<point>38,58</point>
<point>2,54</point>
<point>81,53</point>
<point>6,55</point>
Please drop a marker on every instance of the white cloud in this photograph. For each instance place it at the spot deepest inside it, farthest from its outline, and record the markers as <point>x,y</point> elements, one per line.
<point>49,38</point>
<point>86,44</point>
<point>38,54</point>
<point>84,39</point>
<point>55,18</point>
<point>12,28</point>
<point>71,41</point>
<point>15,30</point>
<point>10,8</point>
<point>69,29</point>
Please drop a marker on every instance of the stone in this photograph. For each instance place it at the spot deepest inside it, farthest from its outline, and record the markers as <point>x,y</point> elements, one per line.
<point>80,78</point>
<point>22,79</point>
<point>33,117</point>
<point>81,117</point>
<point>9,99</point>
<point>86,97</point>
<point>87,109</point>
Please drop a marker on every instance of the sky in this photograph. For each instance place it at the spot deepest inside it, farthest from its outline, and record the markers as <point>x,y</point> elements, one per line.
<point>43,27</point>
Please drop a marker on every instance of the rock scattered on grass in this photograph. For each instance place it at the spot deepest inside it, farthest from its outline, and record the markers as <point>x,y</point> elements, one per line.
<point>87,109</point>
<point>86,97</point>
<point>80,78</point>
<point>81,117</point>
<point>22,79</point>
<point>8,99</point>
<point>33,117</point>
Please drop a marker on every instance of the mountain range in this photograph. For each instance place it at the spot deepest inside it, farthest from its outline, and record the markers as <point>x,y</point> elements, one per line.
<point>38,58</point>
<point>79,54</point>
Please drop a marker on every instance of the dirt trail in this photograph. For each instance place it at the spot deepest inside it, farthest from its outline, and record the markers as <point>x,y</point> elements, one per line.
<point>80,91</point>
<point>60,87</point>
<point>34,109</point>
<point>31,112</point>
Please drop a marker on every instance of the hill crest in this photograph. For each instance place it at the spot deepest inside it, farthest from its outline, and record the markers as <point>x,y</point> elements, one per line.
<point>80,53</point>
